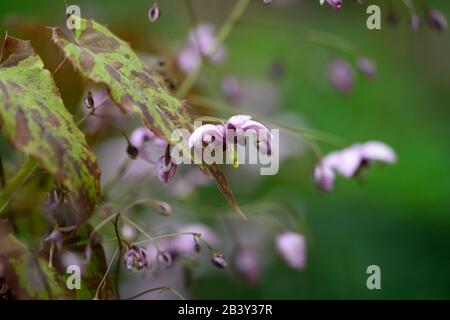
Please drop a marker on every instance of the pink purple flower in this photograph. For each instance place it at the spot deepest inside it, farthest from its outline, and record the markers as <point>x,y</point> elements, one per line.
<point>292,248</point>
<point>350,161</point>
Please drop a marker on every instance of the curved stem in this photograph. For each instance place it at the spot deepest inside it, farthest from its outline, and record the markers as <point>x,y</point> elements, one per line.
<point>222,35</point>
<point>16,183</point>
<point>175,292</point>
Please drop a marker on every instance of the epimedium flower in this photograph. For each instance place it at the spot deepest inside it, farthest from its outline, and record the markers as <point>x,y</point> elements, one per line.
<point>136,257</point>
<point>201,44</point>
<point>350,161</point>
<point>234,131</point>
<point>292,248</point>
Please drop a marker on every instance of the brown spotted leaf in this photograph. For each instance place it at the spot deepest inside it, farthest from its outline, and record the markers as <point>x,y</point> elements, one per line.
<point>35,121</point>
<point>27,275</point>
<point>103,58</point>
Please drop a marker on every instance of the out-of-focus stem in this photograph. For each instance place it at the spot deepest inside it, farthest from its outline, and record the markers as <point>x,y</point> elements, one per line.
<point>16,183</point>
<point>222,35</point>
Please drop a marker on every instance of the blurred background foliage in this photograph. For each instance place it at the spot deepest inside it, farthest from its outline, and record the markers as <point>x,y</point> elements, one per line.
<point>397,218</point>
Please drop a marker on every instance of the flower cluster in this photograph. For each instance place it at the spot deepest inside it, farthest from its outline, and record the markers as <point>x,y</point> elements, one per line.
<point>136,257</point>
<point>350,161</point>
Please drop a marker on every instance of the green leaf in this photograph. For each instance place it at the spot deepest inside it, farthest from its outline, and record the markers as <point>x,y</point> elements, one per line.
<point>103,58</point>
<point>35,121</point>
<point>27,275</point>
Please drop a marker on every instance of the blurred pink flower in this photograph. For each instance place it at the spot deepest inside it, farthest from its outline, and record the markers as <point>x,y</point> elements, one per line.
<point>340,74</point>
<point>150,146</point>
<point>248,265</point>
<point>366,66</point>
<point>292,248</point>
<point>201,44</point>
<point>350,161</point>
<point>231,88</point>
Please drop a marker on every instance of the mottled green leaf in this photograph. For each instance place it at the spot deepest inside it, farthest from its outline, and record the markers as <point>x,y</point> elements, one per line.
<point>27,275</point>
<point>35,121</point>
<point>103,58</point>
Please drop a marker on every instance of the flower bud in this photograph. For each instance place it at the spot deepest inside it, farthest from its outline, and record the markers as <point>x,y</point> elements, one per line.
<point>219,261</point>
<point>292,248</point>
<point>163,208</point>
<point>132,151</point>
<point>89,100</point>
<point>154,13</point>
<point>165,259</point>
<point>366,66</point>
<point>437,20</point>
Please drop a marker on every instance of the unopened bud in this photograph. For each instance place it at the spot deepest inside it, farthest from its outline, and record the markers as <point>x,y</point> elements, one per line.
<point>154,13</point>
<point>163,208</point>
<point>132,151</point>
<point>437,20</point>
<point>219,261</point>
<point>89,100</point>
<point>165,259</point>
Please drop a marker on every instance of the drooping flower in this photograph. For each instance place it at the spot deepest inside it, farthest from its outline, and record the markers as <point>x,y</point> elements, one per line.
<point>350,161</point>
<point>165,169</point>
<point>201,44</point>
<point>292,248</point>
<point>56,237</point>
<point>248,265</point>
<point>340,74</point>
<point>136,257</point>
<point>148,144</point>
<point>232,132</point>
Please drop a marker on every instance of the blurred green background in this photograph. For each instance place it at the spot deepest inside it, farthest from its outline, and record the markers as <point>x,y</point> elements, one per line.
<point>399,218</point>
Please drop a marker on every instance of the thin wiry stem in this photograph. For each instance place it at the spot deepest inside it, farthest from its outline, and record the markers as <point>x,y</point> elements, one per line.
<point>11,188</point>
<point>116,253</point>
<point>222,35</point>
<point>159,289</point>
<point>59,66</point>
